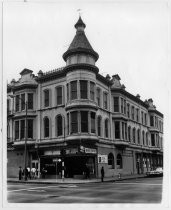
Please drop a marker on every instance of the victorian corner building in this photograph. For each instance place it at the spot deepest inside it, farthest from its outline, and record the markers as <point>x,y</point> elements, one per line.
<point>76,115</point>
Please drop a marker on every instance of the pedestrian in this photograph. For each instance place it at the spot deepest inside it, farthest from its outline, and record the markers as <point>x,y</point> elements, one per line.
<point>25,174</point>
<point>20,173</point>
<point>102,174</point>
<point>29,172</point>
<point>33,173</point>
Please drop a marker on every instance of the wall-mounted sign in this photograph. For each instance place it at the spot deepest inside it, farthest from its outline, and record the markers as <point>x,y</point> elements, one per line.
<point>90,150</point>
<point>71,151</point>
<point>102,159</point>
<point>52,152</point>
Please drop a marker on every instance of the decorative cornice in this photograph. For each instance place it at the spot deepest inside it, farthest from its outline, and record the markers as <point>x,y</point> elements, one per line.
<point>82,66</point>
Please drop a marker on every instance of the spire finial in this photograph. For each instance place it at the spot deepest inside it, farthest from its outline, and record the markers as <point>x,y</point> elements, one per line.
<point>79,12</point>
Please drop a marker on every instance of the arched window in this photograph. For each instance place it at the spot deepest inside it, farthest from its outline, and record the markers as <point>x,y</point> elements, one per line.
<point>59,123</point>
<point>106,128</point>
<point>129,133</point>
<point>147,138</point>
<point>111,160</point>
<point>138,136</point>
<point>133,134</point>
<point>143,142</point>
<point>119,161</point>
<point>46,127</point>
<point>99,126</point>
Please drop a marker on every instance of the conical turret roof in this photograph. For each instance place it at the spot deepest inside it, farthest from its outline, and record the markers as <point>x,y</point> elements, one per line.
<point>80,43</point>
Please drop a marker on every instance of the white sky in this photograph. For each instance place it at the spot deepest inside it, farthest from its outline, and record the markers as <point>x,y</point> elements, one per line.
<point>131,38</point>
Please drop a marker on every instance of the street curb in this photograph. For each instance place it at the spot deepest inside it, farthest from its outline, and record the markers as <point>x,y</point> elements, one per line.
<point>81,182</point>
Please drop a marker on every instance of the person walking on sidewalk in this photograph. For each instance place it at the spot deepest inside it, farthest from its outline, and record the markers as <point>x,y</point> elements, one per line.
<point>20,173</point>
<point>102,174</point>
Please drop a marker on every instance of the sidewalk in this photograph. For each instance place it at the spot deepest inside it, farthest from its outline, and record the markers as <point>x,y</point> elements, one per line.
<point>75,181</point>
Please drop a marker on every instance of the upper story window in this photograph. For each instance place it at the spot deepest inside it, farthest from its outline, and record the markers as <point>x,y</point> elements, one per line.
<point>83,89</point>
<point>145,118</point>
<point>129,133</point>
<point>59,122</point>
<point>22,129</point>
<point>138,136</point>
<point>92,86</point>
<point>46,127</point>
<point>46,98</point>
<point>105,100</point>
<point>93,130</point>
<point>84,121</point>
<point>17,103</point>
<point>99,126</point>
<point>143,138</point>
<point>122,104</point>
<point>146,138</point>
<point>73,90</point>
<point>133,134</point>
<point>151,120</point>
<point>132,112</point>
<point>152,139</point>
<point>106,128</point>
<point>128,110</point>
<point>17,129</point>
<point>30,128</point>
<point>59,95</point>
<point>23,101</point>
<point>142,117</point>
<point>98,96</point>
<point>117,130</point>
<point>137,114</point>
<point>30,100</point>
<point>74,122</point>
<point>116,104</point>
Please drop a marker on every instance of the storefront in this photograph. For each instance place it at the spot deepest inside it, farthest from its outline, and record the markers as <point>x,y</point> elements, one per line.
<point>77,162</point>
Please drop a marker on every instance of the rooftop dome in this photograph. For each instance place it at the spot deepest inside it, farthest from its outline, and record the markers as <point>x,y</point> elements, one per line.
<point>80,43</point>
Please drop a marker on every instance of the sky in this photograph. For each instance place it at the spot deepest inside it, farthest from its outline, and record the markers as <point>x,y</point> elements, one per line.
<point>131,38</point>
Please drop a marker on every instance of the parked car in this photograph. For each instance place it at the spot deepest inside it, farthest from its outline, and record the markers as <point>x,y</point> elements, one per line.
<point>157,172</point>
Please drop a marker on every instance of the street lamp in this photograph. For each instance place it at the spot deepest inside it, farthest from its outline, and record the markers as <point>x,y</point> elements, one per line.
<point>26,131</point>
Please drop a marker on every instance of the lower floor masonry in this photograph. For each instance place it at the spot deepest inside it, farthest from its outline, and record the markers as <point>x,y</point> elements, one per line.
<point>83,161</point>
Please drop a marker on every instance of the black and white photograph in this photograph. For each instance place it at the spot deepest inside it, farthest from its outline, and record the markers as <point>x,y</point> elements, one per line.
<point>85,103</point>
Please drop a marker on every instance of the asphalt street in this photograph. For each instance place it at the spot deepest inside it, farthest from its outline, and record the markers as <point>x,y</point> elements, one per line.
<point>142,190</point>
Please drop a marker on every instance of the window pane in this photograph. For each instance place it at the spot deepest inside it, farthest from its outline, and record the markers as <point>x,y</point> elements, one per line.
<point>93,122</point>
<point>73,90</point>
<point>22,101</point>
<point>98,96</point>
<point>83,89</point>
<point>46,127</point>
<point>117,130</point>
<point>59,95</point>
<point>106,128</point>
<point>92,85</point>
<point>116,104</point>
<point>16,129</point>
<point>17,103</point>
<point>99,126</point>
<point>59,126</point>
<point>22,129</point>
<point>84,121</point>
<point>30,128</point>
<point>151,121</point>
<point>30,100</point>
<point>105,100</point>
<point>152,140</point>
<point>46,98</point>
<point>67,92</point>
<point>74,122</point>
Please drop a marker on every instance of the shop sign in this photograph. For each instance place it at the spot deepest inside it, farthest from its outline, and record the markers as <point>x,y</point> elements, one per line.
<point>72,151</point>
<point>90,150</point>
<point>102,159</point>
<point>52,152</point>
<point>56,160</point>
